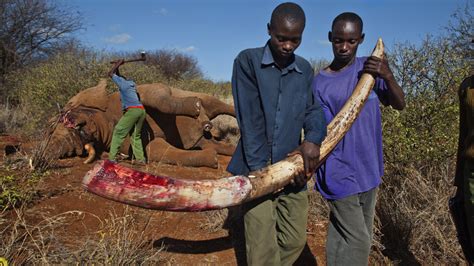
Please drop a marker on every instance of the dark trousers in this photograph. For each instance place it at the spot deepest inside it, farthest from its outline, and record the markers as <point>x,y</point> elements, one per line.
<point>350,229</point>
<point>275,228</point>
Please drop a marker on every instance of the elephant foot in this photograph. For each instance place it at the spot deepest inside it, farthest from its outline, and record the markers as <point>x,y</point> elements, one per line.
<point>191,106</point>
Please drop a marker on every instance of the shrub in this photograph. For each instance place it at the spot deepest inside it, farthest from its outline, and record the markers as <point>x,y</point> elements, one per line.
<point>45,88</point>
<point>120,240</point>
<point>420,146</point>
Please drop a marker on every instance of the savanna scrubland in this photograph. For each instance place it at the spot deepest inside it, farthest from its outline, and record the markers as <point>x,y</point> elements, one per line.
<point>42,66</point>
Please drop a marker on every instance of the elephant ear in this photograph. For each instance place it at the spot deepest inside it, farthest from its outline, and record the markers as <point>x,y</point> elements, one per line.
<point>95,97</point>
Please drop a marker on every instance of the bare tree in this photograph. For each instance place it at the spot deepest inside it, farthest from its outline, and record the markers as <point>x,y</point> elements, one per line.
<point>174,65</point>
<point>461,32</point>
<point>30,30</point>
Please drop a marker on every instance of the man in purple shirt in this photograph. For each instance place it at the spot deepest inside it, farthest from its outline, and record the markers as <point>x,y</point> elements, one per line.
<point>353,171</point>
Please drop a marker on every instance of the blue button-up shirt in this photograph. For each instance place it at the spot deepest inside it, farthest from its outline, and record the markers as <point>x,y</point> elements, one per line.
<point>272,106</point>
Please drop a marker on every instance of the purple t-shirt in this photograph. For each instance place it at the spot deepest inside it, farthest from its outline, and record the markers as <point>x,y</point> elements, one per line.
<point>356,164</point>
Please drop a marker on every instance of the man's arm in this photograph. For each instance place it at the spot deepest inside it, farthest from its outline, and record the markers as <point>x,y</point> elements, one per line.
<point>115,68</point>
<point>315,131</point>
<point>249,114</point>
<point>380,68</point>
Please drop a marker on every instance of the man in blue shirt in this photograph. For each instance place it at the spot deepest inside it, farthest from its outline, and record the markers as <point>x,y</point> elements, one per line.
<point>272,94</point>
<point>133,117</point>
<point>353,171</point>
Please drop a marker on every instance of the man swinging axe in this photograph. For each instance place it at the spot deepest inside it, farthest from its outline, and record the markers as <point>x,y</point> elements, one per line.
<point>133,114</point>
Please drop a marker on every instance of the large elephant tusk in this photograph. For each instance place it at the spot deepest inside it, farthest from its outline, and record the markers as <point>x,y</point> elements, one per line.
<point>129,186</point>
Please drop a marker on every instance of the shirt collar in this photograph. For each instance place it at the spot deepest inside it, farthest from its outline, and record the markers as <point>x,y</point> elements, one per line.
<point>267,60</point>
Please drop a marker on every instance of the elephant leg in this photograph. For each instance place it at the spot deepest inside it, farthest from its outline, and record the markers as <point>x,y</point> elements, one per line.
<point>189,106</point>
<point>220,147</point>
<point>159,150</point>
<point>211,104</point>
<point>215,107</point>
<point>205,122</point>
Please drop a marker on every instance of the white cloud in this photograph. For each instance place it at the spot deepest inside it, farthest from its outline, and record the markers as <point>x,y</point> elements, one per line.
<point>324,42</point>
<point>162,11</point>
<point>188,49</point>
<point>119,38</point>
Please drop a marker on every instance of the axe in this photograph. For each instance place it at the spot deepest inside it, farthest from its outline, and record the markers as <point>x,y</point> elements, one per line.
<point>142,58</point>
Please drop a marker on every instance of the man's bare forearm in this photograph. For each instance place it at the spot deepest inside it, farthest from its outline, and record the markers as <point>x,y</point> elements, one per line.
<point>115,68</point>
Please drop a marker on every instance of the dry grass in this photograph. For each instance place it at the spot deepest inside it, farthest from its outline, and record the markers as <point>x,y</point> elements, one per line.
<point>318,207</point>
<point>414,222</point>
<point>32,243</point>
<point>11,118</point>
<point>412,225</point>
<point>214,220</point>
<point>41,160</point>
<point>120,240</point>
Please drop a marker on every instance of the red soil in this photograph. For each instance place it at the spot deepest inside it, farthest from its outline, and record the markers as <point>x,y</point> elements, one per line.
<point>186,240</point>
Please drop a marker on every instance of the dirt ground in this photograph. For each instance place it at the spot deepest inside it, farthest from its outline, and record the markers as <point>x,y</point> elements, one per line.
<point>186,236</point>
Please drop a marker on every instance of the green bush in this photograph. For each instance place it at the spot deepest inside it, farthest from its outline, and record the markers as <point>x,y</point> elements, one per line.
<point>43,89</point>
<point>420,145</point>
<point>425,132</point>
<point>221,90</point>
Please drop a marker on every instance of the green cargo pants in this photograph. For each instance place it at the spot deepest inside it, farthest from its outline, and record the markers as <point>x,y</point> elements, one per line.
<point>275,228</point>
<point>132,119</point>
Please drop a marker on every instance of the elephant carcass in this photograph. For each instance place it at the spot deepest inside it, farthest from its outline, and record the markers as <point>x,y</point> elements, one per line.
<point>146,190</point>
<point>177,129</point>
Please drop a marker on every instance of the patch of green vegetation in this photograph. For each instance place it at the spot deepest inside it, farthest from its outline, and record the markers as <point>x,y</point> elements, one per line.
<point>10,194</point>
<point>16,189</point>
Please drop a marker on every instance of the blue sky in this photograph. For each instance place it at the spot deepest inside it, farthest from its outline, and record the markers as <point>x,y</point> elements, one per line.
<point>214,31</point>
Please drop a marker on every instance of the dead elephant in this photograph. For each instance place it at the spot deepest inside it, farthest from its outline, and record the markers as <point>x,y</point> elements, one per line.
<point>177,129</point>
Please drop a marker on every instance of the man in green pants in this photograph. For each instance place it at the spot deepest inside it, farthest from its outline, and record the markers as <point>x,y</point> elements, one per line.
<point>133,117</point>
<point>271,86</point>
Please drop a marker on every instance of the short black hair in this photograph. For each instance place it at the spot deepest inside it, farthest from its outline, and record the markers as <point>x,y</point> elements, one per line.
<point>290,12</point>
<point>349,17</point>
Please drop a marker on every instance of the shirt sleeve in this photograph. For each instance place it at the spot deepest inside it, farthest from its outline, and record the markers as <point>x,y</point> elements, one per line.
<point>119,81</point>
<point>381,89</point>
<point>249,114</point>
<point>314,123</point>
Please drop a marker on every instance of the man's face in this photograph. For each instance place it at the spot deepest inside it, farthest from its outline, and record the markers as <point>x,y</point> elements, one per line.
<point>285,37</point>
<point>345,38</point>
